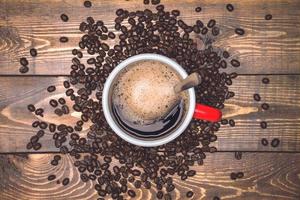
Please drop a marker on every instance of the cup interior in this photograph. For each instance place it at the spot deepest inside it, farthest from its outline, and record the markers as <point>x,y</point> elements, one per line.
<point>107,94</point>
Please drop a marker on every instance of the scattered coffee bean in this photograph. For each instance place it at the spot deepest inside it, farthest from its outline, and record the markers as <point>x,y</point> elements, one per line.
<point>39,112</point>
<point>229,7</point>
<point>51,88</point>
<point>23,69</point>
<point>239,31</point>
<point>266,80</point>
<point>87,4</point>
<point>33,52</point>
<point>233,176</point>
<point>146,2</point>
<point>31,107</point>
<point>155,2</point>
<point>275,142</point>
<point>64,17</point>
<point>131,193</point>
<point>58,112</point>
<point>198,9</point>
<point>63,39</point>
<point>240,175</point>
<point>231,122</point>
<point>40,133</point>
<point>189,194</point>
<point>51,177</point>
<point>62,101</point>
<point>23,61</point>
<point>211,23</point>
<point>238,155</point>
<point>53,103</point>
<point>66,181</point>
<point>54,162</point>
<point>264,142</point>
<point>256,97</point>
<point>268,17</point>
<point>263,125</point>
<point>216,198</point>
<point>265,106</point>
<point>235,63</point>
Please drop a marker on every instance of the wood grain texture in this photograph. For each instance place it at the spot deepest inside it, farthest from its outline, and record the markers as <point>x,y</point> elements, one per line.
<point>267,47</point>
<point>268,176</point>
<point>282,94</point>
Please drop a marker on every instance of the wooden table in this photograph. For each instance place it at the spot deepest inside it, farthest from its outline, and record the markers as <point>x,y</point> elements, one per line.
<point>268,49</point>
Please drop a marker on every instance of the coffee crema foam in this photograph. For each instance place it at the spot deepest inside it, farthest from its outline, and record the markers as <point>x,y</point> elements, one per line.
<point>145,92</point>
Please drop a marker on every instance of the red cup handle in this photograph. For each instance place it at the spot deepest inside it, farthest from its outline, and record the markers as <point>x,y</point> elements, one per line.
<point>207,113</point>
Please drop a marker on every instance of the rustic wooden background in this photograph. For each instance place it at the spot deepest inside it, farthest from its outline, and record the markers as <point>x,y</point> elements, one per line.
<point>268,49</point>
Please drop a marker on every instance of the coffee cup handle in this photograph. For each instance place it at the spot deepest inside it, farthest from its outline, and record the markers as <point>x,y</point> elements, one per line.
<point>207,113</point>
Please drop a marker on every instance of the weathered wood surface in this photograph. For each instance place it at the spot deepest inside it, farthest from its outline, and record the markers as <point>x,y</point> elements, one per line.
<point>282,94</point>
<point>268,176</point>
<point>268,47</point>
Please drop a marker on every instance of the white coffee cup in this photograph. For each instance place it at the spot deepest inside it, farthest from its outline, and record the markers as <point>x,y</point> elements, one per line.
<point>108,113</point>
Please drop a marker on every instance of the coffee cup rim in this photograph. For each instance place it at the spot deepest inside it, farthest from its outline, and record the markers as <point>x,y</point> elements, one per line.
<point>108,114</point>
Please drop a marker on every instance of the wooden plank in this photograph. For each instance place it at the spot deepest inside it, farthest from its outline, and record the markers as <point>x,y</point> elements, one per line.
<point>268,47</point>
<point>282,94</point>
<point>268,176</point>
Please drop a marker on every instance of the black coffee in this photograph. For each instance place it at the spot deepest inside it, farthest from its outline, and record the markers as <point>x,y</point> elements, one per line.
<point>154,129</point>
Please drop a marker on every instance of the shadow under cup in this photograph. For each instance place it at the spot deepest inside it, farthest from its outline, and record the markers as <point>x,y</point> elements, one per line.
<point>185,112</point>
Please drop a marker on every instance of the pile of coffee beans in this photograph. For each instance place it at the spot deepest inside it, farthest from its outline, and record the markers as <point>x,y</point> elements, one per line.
<point>144,31</point>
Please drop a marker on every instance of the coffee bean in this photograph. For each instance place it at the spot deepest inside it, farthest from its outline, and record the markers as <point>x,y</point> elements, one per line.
<point>235,63</point>
<point>54,162</point>
<point>159,194</point>
<point>216,198</point>
<point>53,103</point>
<point>215,31</point>
<point>238,155</point>
<point>131,193</point>
<point>263,125</point>
<point>65,109</point>
<point>51,177</point>
<point>226,54</point>
<point>34,139</point>
<point>168,196</point>
<point>39,111</point>
<point>189,194</point>
<point>240,175</point>
<point>264,142</point>
<point>191,173</point>
<point>239,31</point>
<point>275,142</point>
<point>35,124</point>
<point>29,146</point>
<point>63,39</point>
<point>233,176</point>
<point>198,9</point>
<point>57,157</point>
<point>33,52</point>
<point>266,80</point>
<point>268,17</point>
<point>265,106</point>
<point>23,69</point>
<point>66,181</point>
<point>256,97</point>
<point>62,101</point>
<point>23,61</point>
<point>231,122</point>
<point>37,146</point>
<point>64,17</point>
<point>58,112</point>
<point>87,4</point>
<point>43,125</point>
<point>31,107</point>
<point>51,88</point>
<point>40,133</point>
<point>211,23</point>
<point>155,2</point>
<point>229,7</point>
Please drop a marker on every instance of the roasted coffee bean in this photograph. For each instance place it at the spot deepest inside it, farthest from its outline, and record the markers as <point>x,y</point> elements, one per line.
<point>29,146</point>
<point>266,80</point>
<point>87,4</point>
<point>31,107</point>
<point>224,121</point>
<point>53,103</point>
<point>211,23</point>
<point>240,175</point>
<point>204,31</point>
<point>39,111</point>
<point>43,125</point>
<point>155,2</point>
<point>198,9</point>
<point>23,61</point>
<point>231,122</point>
<point>58,112</point>
<point>64,17</point>
<point>57,157</point>
<point>51,88</point>
<point>226,54</point>
<point>23,69</point>
<point>268,17</point>
<point>233,176</point>
<point>63,39</point>
<point>275,142</point>
<point>111,35</point>
<point>54,162</point>
<point>66,181</point>
<point>131,193</point>
<point>265,106</point>
<point>35,124</point>
<point>37,146</point>
<point>65,109</point>
<point>168,196</point>
<point>256,97</point>
<point>189,194</point>
<point>263,125</point>
<point>264,142</point>
<point>51,177</point>
<point>216,198</point>
<point>66,84</point>
<point>33,52</point>
<point>62,101</point>
<point>34,139</point>
<point>84,177</point>
<point>175,12</point>
<point>191,173</point>
<point>40,133</point>
<point>215,31</point>
<point>159,194</point>
<point>239,31</point>
<point>229,7</point>
<point>238,155</point>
